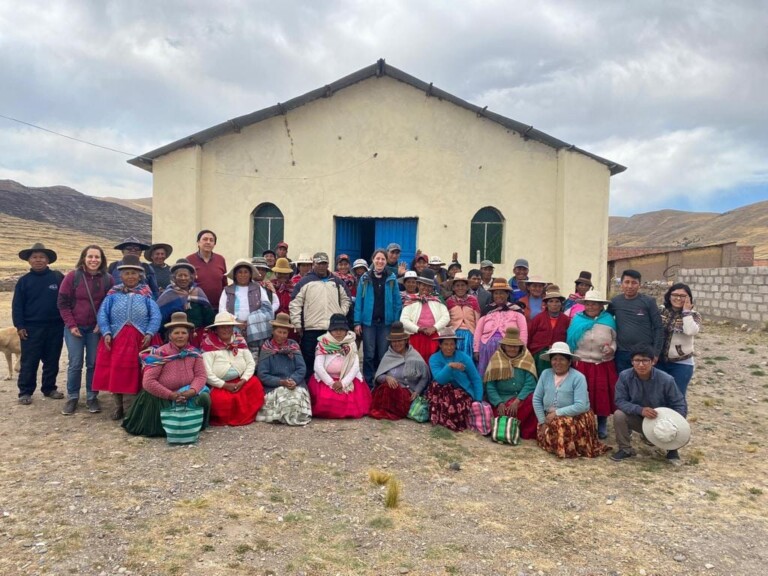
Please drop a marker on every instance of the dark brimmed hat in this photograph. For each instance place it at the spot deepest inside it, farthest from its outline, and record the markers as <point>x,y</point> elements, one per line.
<point>132,241</point>
<point>149,251</point>
<point>584,278</point>
<point>338,322</point>
<point>282,266</point>
<point>397,332</point>
<point>39,247</point>
<point>447,333</point>
<point>183,264</point>
<point>179,319</point>
<point>131,262</point>
<point>427,276</point>
<point>282,320</point>
<point>512,337</point>
<point>260,262</point>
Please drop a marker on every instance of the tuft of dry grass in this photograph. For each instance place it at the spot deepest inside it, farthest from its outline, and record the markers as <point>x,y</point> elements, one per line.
<point>378,477</point>
<point>392,497</point>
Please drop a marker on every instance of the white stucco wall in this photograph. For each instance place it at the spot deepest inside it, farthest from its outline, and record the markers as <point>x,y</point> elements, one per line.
<point>381,148</point>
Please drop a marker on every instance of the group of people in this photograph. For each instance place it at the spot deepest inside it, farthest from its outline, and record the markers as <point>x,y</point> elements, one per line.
<point>279,343</point>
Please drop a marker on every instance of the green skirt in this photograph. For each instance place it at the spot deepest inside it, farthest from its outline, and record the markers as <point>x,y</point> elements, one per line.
<point>143,419</point>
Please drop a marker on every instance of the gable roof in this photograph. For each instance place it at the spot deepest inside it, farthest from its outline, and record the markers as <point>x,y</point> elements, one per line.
<point>381,68</point>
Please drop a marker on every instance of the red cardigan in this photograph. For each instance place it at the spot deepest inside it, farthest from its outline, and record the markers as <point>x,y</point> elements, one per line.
<point>541,335</point>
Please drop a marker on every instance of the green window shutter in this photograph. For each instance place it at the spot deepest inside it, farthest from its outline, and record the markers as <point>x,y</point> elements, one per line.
<point>268,228</point>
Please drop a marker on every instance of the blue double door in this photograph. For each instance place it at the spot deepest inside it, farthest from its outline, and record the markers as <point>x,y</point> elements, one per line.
<point>359,237</point>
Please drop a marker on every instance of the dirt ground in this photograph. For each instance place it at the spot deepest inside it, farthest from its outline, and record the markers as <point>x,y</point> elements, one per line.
<point>79,496</point>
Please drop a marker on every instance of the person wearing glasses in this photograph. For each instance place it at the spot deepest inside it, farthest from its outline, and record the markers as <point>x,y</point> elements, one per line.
<point>681,323</point>
<point>640,391</point>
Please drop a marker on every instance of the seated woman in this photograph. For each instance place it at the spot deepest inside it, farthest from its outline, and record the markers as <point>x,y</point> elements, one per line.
<point>493,325</point>
<point>402,375</point>
<point>283,374</point>
<point>236,394</point>
<point>337,388</point>
<point>456,384</point>
<point>464,311</point>
<point>510,380</point>
<point>548,327</point>
<point>424,315</point>
<point>184,295</point>
<point>174,372</point>
<point>566,423</point>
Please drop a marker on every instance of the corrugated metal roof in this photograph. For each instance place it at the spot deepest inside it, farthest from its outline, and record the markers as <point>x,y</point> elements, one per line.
<point>381,68</point>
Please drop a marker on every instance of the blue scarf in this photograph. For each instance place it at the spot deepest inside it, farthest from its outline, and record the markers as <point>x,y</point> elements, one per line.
<point>581,324</point>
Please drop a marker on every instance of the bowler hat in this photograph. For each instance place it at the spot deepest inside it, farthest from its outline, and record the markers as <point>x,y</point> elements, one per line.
<point>282,267</point>
<point>179,319</point>
<point>131,262</point>
<point>584,278</point>
<point>183,264</point>
<point>282,320</point>
<point>397,332</point>
<point>512,337</point>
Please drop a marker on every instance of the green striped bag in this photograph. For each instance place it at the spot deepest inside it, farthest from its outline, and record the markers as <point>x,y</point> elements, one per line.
<point>419,410</point>
<point>182,423</point>
<point>506,430</point>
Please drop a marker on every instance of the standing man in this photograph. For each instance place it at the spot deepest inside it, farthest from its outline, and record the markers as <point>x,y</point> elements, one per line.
<point>482,295</point>
<point>394,265</point>
<point>315,298</point>
<point>517,282</point>
<point>156,255</point>
<point>134,246</point>
<point>638,321</point>
<point>486,274</point>
<point>210,268</point>
<point>38,323</point>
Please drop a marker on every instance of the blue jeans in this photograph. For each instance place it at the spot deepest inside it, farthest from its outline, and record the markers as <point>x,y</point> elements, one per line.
<point>682,373</point>
<point>76,349</point>
<point>623,360</point>
<point>375,345</point>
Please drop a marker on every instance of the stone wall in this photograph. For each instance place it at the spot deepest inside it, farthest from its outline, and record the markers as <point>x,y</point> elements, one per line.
<point>739,294</point>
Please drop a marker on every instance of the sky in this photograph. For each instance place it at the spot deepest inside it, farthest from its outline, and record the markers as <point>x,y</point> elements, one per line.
<point>675,91</point>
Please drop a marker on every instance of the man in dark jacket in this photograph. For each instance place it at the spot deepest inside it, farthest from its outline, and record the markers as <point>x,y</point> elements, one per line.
<point>639,391</point>
<point>38,323</point>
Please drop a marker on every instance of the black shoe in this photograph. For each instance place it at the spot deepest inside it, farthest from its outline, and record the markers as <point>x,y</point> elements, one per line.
<point>69,407</point>
<point>673,457</point>
<point>645,440</point>
<point>93,406</point>
<point>55,395</point>
<point>621,455</point>
<point>26,399</point>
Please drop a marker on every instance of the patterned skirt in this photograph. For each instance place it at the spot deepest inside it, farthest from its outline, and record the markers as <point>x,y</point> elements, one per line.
<point>118,369</point>
<point>526,415</point>
<point>487,350</point>
<point>601,385</point>
<point>424,345</point>
<point>237,408</point>
<point>572,436</point>
<point>291,407</point>
<point>143,418</point>
<point>448,406</point>
<point>327,403</point>
<point>390,403</point>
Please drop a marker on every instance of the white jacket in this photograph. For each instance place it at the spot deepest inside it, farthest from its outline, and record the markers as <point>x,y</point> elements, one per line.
<point>410,316</point>
<point>218,363</point>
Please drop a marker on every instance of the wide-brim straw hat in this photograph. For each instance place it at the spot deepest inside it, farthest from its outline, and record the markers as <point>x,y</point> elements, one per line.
<point>241,263</point>
<point>132,241</point>
<point>594,296</point>
<point>536,279</point>
<point>304,258</point>
<point>149,251</point>
<point>669,430</point>
<point>553,291</point>
<point>397,332</point>
<point>282,320</point>
<point>39,247</point>
<point>179,319</point>
<point>224,319</point>
<point>499,284</point>
<point>282,266</point>
<point>131,262</point>
<point>559,348</point>
<point>458,277</point>
<point>183,264</point>
<point>435,261</point>
<point>512,337</point>
<point>447,334</point>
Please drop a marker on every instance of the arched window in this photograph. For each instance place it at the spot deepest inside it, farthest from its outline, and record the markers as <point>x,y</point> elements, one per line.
<point>486,235</point>
<point>268,228</point>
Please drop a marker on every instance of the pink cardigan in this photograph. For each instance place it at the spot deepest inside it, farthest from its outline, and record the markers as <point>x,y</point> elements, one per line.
<point>165,379</point>
<point>464,318</point>
<point>499,321</point>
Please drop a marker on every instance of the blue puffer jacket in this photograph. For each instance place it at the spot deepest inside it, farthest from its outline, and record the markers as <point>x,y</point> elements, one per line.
<point>393,303</point>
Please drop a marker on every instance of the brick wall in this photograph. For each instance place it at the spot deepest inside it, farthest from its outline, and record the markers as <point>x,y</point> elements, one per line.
<point>739,294</point>
<point>746,256</point>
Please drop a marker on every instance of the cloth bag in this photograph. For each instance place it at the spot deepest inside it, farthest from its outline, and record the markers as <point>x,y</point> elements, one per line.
<point>506,430</point>
<point>182,423</point>
<point>419,410</point>
<point>480,418</point>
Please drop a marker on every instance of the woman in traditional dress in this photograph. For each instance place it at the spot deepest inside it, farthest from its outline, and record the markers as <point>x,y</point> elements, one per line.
<point>402,375</point>
<point>410,286</point>
<point>548,327</point>
<point>681,323</point>
<point>184,295</point>
<point>510,380</point>
<point>592,337</point>
<point>456,384</point>
<point>424,315</point>
<point>128,318</point>
<point>573,305</point>
<point>492,327</point>
<point>283,374</point>
<point>303,267</point>
<point>173,373</point>
<point>236,394</point>
<point>337,388</point>
<point>561,402</point>
<point>464,311</point>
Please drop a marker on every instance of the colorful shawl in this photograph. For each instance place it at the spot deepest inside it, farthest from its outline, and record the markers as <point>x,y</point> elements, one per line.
<point>502,367</point>
<point>155,356</point>
<point>581,324</point>
<point>327,344</point>
<point>141,288</point>
<point>175,299</point>
<point>409,299</point>
<point>469,301</point>
<point>289,348</point>
<point>211,342</point>
<point>503,307</point>
<point>349,280</point>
